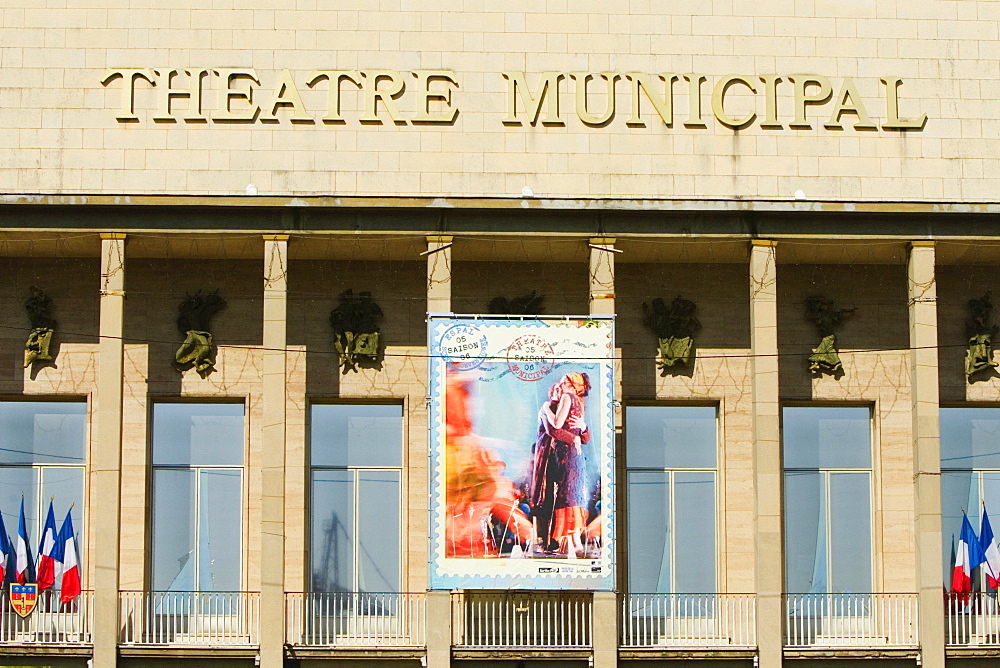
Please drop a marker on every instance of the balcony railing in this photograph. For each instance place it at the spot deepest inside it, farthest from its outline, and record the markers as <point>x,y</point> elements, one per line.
<point>973,620</point>
<point>355,620</point>
<point>51,623</point>
<point>525,620</point>
<point>190,618</point>
<point>689,621</point>
<point>851,621</point>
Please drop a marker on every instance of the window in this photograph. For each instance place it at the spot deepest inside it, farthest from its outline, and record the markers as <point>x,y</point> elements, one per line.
<point>828,499</point>
<point>671,458</point>
<point>970,474</point>
<point>197,535</point>
<point>357,453</point>
<point>42,457</point>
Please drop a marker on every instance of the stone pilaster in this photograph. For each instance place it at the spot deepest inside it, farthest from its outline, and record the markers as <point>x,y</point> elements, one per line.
<point>439,274</point>
<point>766,452</point>
<point>272,557</point>
<point>439,622</point>
<point>106,450</point>
<point>602,276</point>
<point>922,287</point>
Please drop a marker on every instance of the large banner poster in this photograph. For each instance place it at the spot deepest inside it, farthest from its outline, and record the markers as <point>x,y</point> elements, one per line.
<point>522,453</point>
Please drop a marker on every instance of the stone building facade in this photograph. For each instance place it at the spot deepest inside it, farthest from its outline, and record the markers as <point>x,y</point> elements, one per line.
<point>438,156</point>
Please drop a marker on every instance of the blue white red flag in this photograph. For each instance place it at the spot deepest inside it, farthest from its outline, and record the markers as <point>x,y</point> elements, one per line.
<point>968,555</point>
<point>6,554</point>
<point>70,564</point>
<point>24,567</point>
<point>46,564</point>
<point>991,552</point>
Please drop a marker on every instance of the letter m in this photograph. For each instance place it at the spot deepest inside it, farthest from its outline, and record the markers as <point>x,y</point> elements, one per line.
<point>547,91</point>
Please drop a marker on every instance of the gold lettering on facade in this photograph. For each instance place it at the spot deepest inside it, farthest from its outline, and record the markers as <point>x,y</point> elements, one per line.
<point>126,114</point>
<point>547,91</point>
<point>582,111</point>
<point>388,96</point>
<point>719,101</point>
<point>770,121</point>
<point>803,98</point>
<point>333,96</point>
<point>664,106</point>
<point>425,96</point>
<point>695,119</point>
<point>286,95</point>
<point>167,93</point>
<point>849,102</point>
<point>228,94</point>
<point>383,94</point>
<point>892,119</point>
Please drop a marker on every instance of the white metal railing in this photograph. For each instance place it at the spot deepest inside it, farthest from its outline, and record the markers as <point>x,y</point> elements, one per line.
<point>973,620</point>
<point>355,619</point>
<point>230,618</point>
<point>856,621</point>
<point>689,620</point>
<point>51,623</point>
<point>540,620</point>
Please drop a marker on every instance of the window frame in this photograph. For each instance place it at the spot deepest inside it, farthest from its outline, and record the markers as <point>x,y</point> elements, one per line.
<point>243,468</point>
<point>79,529</point>
<point>671,472</point>
<point>826,473</point>
<point>977,474</point>
<point>356,471</point>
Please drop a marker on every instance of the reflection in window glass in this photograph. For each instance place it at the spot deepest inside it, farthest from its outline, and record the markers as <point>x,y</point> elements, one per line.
<point>671,437</point>
<point>671,456</point>
<point>42,432</point>
<point>826,437</point>
<point>42,453</point>
<point>357,435</point>
<point>357,453</point>
<point>828,508</point>
<point>970,475</point>
<point>198,435</point>
<point>197,497</point>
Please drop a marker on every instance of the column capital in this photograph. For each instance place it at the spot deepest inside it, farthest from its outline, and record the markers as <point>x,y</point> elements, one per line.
<point>275,237</point>
<point>923,243</point>
<point>439,238</point>
<point>602,241</point>
<point>764,243</point>
<point>113,236</point>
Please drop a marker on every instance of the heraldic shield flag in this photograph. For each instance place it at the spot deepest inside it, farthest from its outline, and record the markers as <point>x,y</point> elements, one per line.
<point>23,598</point>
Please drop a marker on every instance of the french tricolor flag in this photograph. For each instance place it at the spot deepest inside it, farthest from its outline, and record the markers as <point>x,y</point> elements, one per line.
<point>24,568</point>
<point>70,563</point>
<point>46,547</point>
<point>6,554</point>
<point>968,555</point>
<point>991,552</point>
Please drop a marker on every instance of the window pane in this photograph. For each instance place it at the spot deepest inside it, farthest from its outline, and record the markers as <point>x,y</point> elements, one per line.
<point>64,486</point>
<point>173,530</point>
<point>970,438</point>
<point>649,532</point>
<point>42,432</point>
<point>357,435</point>
<point>16,481</point>
<point>220,530</point>
<point>805,533</point>
<point>850,533</point>
<point>666,437</point>
<point>818,437</point>
<point>959,489</point>
<point>694,533</point>
<point>198,434</point>
<point>378,531</point>
<point>333,530</point>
